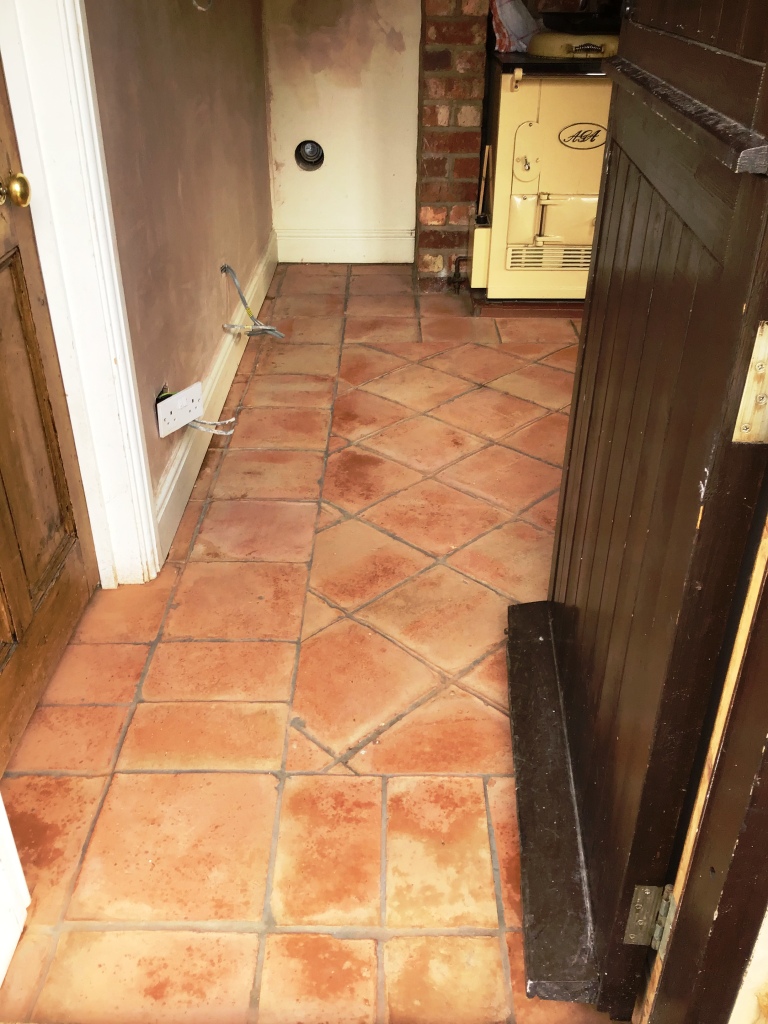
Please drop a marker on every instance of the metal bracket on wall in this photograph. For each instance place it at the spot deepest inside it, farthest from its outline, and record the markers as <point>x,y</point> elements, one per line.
<point>752,421</point>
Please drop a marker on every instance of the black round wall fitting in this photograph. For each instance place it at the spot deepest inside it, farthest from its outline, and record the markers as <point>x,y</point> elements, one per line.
<point>309,155</point>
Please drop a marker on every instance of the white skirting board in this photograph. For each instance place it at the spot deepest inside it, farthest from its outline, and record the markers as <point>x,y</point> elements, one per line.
<point>184,466</point>
<point>300,245</point>
<point>14,895</point>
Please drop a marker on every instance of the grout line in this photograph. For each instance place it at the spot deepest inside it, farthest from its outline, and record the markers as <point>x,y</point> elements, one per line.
<point>238,927</point>
<point>499,900</point>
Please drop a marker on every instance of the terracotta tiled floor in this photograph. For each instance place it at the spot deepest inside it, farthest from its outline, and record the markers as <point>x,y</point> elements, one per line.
<point>275,785</point>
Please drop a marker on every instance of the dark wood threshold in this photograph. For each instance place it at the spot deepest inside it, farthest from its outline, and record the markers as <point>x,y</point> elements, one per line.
<point>557,932</point>
<point>511,308</point>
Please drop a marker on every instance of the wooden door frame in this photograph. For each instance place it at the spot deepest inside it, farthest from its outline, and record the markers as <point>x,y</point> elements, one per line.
<point>46,57</point>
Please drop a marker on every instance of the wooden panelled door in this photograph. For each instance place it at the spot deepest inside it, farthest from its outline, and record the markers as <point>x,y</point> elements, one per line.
<point>658,499</point>
<point>47,568</point>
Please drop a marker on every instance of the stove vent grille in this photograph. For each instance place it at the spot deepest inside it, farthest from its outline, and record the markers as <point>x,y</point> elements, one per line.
<point>549,257</point>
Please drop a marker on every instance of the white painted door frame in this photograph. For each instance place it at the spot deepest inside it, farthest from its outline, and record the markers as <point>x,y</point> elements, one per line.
<point>46,56</point>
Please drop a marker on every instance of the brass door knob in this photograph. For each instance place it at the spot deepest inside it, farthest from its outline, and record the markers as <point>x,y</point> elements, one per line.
<point>18,190</point>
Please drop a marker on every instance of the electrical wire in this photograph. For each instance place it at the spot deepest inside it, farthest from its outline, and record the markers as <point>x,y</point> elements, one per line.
<point>258,327</point>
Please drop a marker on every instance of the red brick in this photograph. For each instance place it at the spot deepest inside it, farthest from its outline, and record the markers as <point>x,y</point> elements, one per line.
<point>475,7</point>
<point>466,167</point>
<point>446,239</point>
<point>435,115</point>
<point>431,263</point>
<point>462,32</point>
<point>469,115</point>
<point>437,141</point>
<point>464,88</point>
<point>460,214</point>
<point>448,191</point>
<point>468,62</point>
<point>434,167</point>
<point>430,285</point>
<point>435,88</point>
<point>437,60</point>
<point>433,216</point>
<point>445,7</point>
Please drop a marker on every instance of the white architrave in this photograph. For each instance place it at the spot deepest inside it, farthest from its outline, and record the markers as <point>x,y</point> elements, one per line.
<point>46,56</point>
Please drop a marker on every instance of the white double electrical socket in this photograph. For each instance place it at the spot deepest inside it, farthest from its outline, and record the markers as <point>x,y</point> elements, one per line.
<point>180,409</point>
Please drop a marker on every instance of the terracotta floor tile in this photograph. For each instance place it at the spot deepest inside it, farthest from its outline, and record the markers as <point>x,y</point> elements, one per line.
<point>281,428</point>
<point>544,439</point>
<point>542,1011</point>
<point>149,978</point>
<point>210,736</point>
<point>351,681</point>
<point>355,479</point>
<point>245,368</point>
<point>161,840</point>
<point>304,755</point>
<point>459,330</point>
<point>308,305</point>
<point>477,363</point>
<point>372,330</point>
<point>536,330</point>
<point>515,559</point>
<point>50,819</point>
<point>378,269</point>
<point>311,330</point>
<point>359,364</point>
<point>275,531</point>
<point>69,739</point>
<point>445,305</point>
<point>207,473</point>
<point>301,271</point>
<point>329,516</point>
<point>247,474</point>
<point>381,305</point>
<point>318,979</point>
<point>358,414</point>
<point>544,514</point>
<point>450,620</point>
<point>413,352</point>
<point>239,601</point>
<point>502,799</point>
<point>280,357</point>
<point>418,387</point>
<point>97,674</point>
<point>353,563</point>
<point>383,284</point>
<point>313,284</point>
<point>336,443</point>
<point>439,872</point>
<point>436,979</point>
<point>490,679</point>
<point>564,359</point>
<point>453,732</point>
<point>294,390</point>
<point>504,477</point>
<point>18,990</point>
<point>424,443</point>
<point>317,615</point>
<point>540,384</point>
<point>328,852</point>
<point>129,614</point>
<point>185,532</point>
<point>435,518</point>
<point>488,413</point>
<point>266,312</point>
<point>220,671</point>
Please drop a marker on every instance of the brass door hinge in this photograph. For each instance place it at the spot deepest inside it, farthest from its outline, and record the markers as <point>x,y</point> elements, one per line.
<point>752,421</point>
<point>650,917</point>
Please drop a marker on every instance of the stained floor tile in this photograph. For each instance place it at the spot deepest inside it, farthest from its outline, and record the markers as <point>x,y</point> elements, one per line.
<point>311,330</point>
<point>372,330</point>
<point>69,739</point>
<point>293,390</point>
<point>504,477</point>
<point>449,620</point>
<point>359,364</point>
<point>489,678</point>
<point>328,860</point>
<point>178,848</point>
<point>273,531</point>
<point>358,414</point>
<point>269,474</point>
<point>304,755</point>
<point>50,819</point>
<point>130,614</point>
<point>355,479</point>
<point>381,305</point>
<point>488,412</point>
<point>418,387</point>
<point>434,517</point>
<point>435,979</point>
<point>210,736</point>
<point>457,330</point>
<point>308,305</point>
<point>563,359</point>
<point>220,671</point>
<point>351,681</point>
<point>18,990</point>
<point>551,331</point>
<point>502,800</point>
<point>281,428</point>
<point>540,384</point>
<point>543,439</point>
<point>97,674</point>
<point>239,601</point>
<point>454,732</point>
<point>424,443</point>
<point>544,513</point>
<point>477,363</point>
<point>281,357</point>
<point>149,978</point>
<point>514,559</point>
<point>445,305</point>
<point>318,979</point>
<point>353,563</point>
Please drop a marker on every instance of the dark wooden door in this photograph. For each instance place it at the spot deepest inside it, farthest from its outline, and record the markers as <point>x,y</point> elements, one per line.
<point>47,571</point>
<point>658,500</point>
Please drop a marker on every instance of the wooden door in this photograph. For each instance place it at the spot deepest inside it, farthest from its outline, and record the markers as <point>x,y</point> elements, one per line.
<point>47,569</point>
<point>658,500</point>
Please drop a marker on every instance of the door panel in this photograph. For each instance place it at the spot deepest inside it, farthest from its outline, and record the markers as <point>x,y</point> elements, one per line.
<point>657,501</point>
<point>47,566</point>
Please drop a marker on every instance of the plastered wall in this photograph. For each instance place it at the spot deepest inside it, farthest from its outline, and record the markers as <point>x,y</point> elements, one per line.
<point>751,1006</point>
<point>345,74</point>
<point>181,96</point>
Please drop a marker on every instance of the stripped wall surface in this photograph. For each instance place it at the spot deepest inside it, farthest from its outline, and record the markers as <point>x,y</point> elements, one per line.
<point>752,1002</point>
<point>345,74</point>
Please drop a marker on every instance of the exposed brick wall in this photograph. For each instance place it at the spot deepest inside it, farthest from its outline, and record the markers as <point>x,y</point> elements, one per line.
<point>452,88</point>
